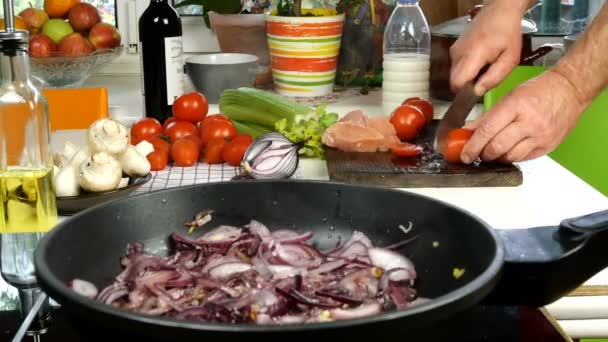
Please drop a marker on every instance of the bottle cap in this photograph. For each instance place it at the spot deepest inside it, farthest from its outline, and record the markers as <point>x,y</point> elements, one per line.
<point>18,35</point>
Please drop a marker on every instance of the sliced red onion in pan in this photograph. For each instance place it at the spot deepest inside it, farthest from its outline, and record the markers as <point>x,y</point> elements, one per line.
<point>227,270</point>
<point>388,260</point>
<point>84,288</point>
<point>253,275</point>
<point>364,310</point>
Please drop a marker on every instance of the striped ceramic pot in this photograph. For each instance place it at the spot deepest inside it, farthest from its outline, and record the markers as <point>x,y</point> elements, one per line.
<point>304,53</point>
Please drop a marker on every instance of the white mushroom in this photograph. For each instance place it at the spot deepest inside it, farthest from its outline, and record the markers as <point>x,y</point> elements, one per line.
<point>62,158</point>
<point>66,182</point>
<point>133,163</point>
<point>66,179</point>
<point>107,135</point>
<point>101,172</point>
<point>144,148</point>
<point>123,183</point>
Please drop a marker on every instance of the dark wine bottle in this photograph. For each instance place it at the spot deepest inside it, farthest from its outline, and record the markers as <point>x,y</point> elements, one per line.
<point>161,53</point>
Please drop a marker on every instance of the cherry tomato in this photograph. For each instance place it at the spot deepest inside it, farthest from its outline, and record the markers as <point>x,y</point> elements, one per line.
<point>181,129</point>
<point>196,139</point>
<point>217,129</point>
<point>234,151</point>
<point>160,142</point>
<point>214,117</point>
<point>425,107</point>
<point>213,151</point>
<point>244,137</point>
<point>190,107</point>
<point>456,140</point>
<point>158,159</point>
<point>168,122</point>
<point>406,149</point>
<point>411,99</point>
<point>408,122</point>
<point>185,152</point>
<point>145,129</point>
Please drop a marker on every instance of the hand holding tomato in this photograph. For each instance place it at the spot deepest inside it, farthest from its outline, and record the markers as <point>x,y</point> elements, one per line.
<point>456,140</point>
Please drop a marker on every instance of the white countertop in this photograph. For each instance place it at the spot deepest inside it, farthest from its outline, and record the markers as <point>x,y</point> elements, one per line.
<point>549,194</point>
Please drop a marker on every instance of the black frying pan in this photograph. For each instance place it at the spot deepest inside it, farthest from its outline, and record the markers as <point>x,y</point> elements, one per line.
<point>537,265</point>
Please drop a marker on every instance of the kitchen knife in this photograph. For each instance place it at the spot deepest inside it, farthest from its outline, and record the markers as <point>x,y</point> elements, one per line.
<point>458,112</point>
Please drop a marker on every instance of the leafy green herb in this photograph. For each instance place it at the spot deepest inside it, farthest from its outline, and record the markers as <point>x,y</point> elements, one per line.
<point>308,130</point>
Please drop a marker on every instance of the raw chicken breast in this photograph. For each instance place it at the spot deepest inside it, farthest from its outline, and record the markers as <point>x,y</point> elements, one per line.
<point>350,137</point>
<point>384,127</point>
<point>355,117</point>
<point>356,133</point>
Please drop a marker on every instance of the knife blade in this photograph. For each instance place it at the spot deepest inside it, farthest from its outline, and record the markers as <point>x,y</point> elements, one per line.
<point>457,113</point>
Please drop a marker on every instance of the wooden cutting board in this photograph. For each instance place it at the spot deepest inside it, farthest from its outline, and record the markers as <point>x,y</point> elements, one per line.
<point>426,170</point>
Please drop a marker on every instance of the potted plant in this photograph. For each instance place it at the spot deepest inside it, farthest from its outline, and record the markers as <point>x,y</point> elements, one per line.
<point>304,46</point>
<point>238,24</point>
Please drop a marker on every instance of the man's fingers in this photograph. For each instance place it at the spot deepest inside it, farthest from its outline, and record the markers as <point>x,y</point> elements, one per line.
<point>496,73</point>
<point>504,141</point>
<point>466,69</point>
<point>519,152</point>
<point>490,124</point>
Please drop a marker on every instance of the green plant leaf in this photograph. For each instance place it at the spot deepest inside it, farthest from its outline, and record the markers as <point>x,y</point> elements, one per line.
<point>219,6</point>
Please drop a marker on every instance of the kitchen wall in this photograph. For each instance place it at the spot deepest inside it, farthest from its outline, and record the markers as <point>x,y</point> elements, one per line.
<point>437,11</point>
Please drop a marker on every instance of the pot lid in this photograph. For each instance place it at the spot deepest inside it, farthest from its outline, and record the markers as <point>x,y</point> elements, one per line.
<point>455,27</point>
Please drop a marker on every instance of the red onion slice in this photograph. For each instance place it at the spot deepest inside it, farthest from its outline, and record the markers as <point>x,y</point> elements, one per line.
<point>388,260</point>
<point>329,266</point>
<point>227,270</point>
<point>221,234</point>
<point>84,288</point>
<point>364,310</point>
<point>259,229</point>
<point>295,255</point>
<point>289,236</point>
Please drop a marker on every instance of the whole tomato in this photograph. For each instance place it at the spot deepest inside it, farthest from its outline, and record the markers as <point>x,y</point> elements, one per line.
<point>408,122</point>
<point>411,99</point>
<point>456,140</point>
<point>181,129</point>
<point>405,149</point>
<point>196,139</point>
<point>190,107</point>
<point>213,151</point>
<point>161,143</point>
<point>214,117</point>
<point>425,107</point>
<point>234,150</point>
<point>145,129</point>
<point>217,129</point>
<point>168,122</point>
<point>158,159</point>
<point>185,152</point>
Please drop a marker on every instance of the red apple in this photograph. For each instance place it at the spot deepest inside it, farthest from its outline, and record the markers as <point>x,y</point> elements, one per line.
<point>83,16</point>
<point>104,36</point>
<point>34,19</point>
<point>75,45</point>
<point>42,45</point>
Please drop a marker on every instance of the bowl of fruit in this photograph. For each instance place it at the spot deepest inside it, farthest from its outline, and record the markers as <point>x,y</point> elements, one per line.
<point>68,42</point>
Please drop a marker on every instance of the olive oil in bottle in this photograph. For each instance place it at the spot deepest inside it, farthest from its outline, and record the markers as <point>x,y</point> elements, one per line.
<point>27,201</point>
<point>27,193</point>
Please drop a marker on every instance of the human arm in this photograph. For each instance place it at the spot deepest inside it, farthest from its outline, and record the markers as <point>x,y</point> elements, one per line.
<point>535,117</point>
<point>494,37</point>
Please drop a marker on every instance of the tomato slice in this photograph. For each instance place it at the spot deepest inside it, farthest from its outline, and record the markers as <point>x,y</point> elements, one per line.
<point>405,149</point>
<point>456,140</point>
<point>213,151</point>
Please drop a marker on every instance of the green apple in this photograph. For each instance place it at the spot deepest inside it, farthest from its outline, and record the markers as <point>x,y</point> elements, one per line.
<point>57,29</point>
